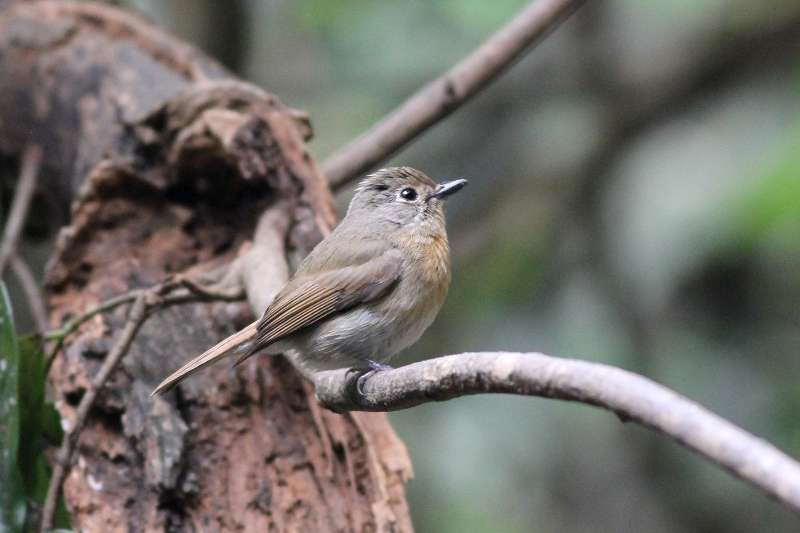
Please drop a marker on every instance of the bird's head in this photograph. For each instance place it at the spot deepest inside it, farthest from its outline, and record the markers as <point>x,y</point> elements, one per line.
<point>400,197</point>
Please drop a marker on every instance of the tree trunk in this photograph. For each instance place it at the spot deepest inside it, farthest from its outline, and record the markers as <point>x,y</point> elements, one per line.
<point>167,163</point>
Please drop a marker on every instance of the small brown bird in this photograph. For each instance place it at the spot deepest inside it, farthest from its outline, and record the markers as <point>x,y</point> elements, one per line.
<point>367,291</point>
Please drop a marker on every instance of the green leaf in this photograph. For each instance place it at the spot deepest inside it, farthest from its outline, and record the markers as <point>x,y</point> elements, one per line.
<point>40,425</point>
<point>39,421</point>
<point>12,494</point>
<point>25,417</point>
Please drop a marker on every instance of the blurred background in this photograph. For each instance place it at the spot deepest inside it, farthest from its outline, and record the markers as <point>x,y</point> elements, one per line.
<point>634,199</point>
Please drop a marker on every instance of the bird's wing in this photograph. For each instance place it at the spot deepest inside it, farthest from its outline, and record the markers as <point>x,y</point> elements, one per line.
<point>308,299</point>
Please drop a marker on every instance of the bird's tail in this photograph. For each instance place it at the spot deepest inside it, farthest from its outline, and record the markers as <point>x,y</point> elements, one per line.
<point>208,357</point>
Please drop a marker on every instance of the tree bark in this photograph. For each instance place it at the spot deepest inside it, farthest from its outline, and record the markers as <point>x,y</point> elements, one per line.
<point>164,163</point>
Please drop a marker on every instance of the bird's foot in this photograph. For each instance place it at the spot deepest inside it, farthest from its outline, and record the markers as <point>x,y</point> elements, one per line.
<point>356,384</point>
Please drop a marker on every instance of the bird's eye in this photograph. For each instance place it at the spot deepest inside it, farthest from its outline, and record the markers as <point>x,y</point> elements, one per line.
<point>408,194</point>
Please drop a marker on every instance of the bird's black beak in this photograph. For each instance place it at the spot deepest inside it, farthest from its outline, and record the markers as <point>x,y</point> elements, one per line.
<point>447,188</point>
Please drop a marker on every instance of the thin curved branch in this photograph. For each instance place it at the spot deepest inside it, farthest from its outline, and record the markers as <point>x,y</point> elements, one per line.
<point>629,395</point>
<point>193,292</point>
<point>446,93</point>
<point>33,293</point>
<point>74,323</point>
<point>26,185</point>
<point>59,336</point>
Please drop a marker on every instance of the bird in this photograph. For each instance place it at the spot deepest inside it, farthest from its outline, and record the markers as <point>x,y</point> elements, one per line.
<point>365,292</point>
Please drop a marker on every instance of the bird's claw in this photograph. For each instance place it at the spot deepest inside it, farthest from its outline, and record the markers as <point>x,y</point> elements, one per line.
<point>362,374</point>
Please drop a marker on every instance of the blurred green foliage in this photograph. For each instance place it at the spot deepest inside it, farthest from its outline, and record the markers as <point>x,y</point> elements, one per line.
<point>12,495</point>
<point>771,210</point>
<point>28,423</point>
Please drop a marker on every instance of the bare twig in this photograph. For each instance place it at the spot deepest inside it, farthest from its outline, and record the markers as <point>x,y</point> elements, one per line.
<point>32,291</point>
<point>446,93</point>
<point>73,324</point>
<point>26,185</point>
<point>170,295</point>
<point>629,395</point>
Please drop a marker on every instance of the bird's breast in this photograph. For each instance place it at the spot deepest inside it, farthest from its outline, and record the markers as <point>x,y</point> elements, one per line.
<point>421,291</point>
<point>427,261</point>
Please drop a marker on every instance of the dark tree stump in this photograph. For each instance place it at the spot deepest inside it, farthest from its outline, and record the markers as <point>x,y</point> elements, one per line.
<point>162,163</point>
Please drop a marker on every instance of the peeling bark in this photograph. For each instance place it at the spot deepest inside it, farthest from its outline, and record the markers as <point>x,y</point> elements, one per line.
<point>168,162</point>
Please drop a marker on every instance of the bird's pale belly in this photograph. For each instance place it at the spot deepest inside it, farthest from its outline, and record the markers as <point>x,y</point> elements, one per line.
<point>362,334</point>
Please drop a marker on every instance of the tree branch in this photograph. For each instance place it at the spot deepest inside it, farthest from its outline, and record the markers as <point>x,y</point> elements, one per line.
<point>60,335</point>
<point>630,396</point>
<point>446,93</point>
<point>26,185</point>
<point>32,291</point>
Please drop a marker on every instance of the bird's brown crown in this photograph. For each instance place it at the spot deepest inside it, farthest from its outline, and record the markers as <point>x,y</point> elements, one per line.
<point>394,176</point>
